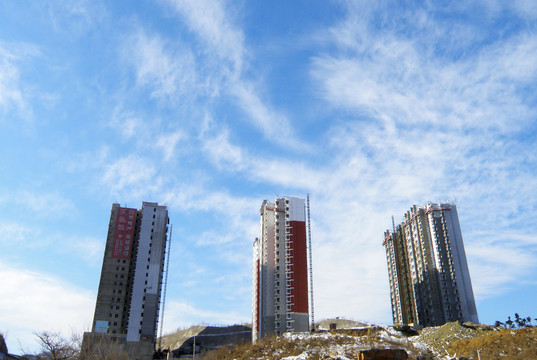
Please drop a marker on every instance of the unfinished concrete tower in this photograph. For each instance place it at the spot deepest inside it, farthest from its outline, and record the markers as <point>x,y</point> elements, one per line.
<point>280,269</point>
<point>427,268</point>
<point>127,307</point>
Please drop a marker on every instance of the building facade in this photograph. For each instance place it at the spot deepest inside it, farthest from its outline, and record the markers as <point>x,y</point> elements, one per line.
<point>427,268</point>
<point>280,269</point>
<point>128,299</point>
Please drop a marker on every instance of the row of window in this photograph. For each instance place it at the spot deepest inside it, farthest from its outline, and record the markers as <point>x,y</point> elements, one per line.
<point>289,325</point>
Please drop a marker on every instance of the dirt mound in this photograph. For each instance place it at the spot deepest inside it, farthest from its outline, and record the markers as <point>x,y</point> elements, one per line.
<point>509,344</point>
<point>439,338</point>
<point>454,340</point>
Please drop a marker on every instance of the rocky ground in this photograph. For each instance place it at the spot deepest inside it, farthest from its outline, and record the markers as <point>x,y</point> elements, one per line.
<point>450,341</point>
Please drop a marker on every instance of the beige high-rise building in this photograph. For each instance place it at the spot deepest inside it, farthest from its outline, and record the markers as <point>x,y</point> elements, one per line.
<point>427,268</point>
<point>128,299</point>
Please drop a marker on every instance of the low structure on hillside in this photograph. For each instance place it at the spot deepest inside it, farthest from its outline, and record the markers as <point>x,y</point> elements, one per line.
<point>212,337</point>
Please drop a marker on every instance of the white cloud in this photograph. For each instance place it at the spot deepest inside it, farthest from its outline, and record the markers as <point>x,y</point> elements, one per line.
<point>55,203</point>
<point>426,128</point>
<point>75,17</point>
<point>395,78</point>
<point>84,247</point>
<point>274,125</point>
<point>230,157</point>
<point>498,266</point>
<point>168,69</point>
<point>33,302</point>
<point>168,143</point>
<point>127,123</point>
<point>222,152</point>
<point>11,93</point>
<point>214,24</point>
<point>225,50</point>
<point>14,233</point>
<point>131,173</point>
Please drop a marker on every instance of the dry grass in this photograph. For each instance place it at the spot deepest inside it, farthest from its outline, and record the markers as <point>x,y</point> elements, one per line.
<point>509,344</point>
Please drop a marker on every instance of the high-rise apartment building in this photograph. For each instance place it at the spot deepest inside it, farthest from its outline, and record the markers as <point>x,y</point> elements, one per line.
<point>128,299</point>
<point>280,269</point>
<point>427,268</point>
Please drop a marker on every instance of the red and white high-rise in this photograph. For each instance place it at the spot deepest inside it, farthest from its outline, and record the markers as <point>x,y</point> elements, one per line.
<point>280,270</point>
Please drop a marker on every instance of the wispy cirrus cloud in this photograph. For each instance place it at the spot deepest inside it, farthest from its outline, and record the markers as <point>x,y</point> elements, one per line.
<point>230,156</point>
<point>168,68</point>
<point>419,127</point>
<point>131,173</point>
<point>429,126</point>
<point>225,49</point>
<point>11,92</point>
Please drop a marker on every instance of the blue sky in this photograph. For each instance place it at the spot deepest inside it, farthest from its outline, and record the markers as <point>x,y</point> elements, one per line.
<point>212,106</point>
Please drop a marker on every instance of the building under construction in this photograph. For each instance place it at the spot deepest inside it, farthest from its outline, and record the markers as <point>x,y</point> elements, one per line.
<point>428,272</point>
<point>280,269</point>
<point>128,300</point>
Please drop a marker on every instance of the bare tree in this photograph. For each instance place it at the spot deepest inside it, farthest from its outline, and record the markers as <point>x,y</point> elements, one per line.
<point>56,347</point>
